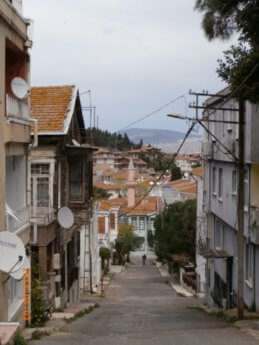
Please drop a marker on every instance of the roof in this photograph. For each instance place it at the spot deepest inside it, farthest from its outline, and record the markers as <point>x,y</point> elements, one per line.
<point>53,107</point>
<point>184,186</point>
<point>198,171</point>
<point>150,204</point>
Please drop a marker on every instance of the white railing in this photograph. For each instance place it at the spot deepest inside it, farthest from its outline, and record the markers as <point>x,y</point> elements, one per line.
<point>22,218</point>
<point>44,218</point>
<point>17,109</point>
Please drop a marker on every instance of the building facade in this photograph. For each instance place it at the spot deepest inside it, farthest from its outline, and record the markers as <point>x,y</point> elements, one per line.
<point>15,142</point>
<point>220,204</point>
<point>61,176</point>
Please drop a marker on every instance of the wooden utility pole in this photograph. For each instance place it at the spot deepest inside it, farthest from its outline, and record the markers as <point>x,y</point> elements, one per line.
<point>240,208</point>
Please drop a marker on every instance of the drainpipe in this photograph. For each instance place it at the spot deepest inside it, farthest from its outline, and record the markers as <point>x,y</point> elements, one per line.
<point>35,134</point>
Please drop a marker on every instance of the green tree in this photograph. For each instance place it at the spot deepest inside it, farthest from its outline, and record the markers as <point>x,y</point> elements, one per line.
<point>38,307</point>
<point>100,194</point>
<point>240,67</point>
<point>175,230</point>
<point>126,242</point>
<point>105,255</point>
<point>176,172</point>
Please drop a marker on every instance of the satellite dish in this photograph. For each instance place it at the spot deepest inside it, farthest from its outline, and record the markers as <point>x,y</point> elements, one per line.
<point>186,174</point>
<point>65,217</point>
<point>18,275</point>
<point>19,87</point>
<point>12,252</point>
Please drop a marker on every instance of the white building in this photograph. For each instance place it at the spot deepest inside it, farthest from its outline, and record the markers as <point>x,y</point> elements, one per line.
<point>220,205</point>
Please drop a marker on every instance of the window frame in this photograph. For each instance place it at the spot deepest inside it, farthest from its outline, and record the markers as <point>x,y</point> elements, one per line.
<point>214,181</point>
<point>220,184</point>
<point>70,162</point>
<point>34,185</point>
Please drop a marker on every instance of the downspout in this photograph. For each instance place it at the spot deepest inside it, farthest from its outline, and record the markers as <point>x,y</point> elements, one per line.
<point>35,134</point>
<point>34,144</point>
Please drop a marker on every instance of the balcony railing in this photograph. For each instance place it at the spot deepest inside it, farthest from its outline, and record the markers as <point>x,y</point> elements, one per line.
<point>14,224</point>
<point>17,109</point>
<point>44,218</point>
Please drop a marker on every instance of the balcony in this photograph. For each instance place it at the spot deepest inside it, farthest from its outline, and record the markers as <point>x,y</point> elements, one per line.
<point>44,219</point>
<point>19,220</point>
<point>16,109</point>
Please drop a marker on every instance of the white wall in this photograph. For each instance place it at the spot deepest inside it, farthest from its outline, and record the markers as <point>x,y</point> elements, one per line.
<point>16,181</point>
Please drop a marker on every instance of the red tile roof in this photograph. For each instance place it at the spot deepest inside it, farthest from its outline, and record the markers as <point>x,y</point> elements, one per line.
<point>50,105</point>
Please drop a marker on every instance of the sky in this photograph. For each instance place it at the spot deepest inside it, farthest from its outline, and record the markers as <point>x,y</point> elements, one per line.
<point>134,56</point>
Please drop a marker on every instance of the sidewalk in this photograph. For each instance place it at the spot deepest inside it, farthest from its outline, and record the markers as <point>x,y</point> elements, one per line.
<point>179,289</point>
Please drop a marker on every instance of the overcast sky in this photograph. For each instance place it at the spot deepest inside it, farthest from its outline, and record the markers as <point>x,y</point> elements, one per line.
<point>134,55</point>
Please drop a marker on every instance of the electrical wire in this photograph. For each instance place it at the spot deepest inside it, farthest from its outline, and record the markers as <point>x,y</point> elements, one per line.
<point>234,91</point>
<point>150,114</point>
<point>214,137</point>
<point>163,173</point>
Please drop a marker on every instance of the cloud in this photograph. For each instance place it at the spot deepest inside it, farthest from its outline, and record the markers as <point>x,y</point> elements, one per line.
<point>134,55</point>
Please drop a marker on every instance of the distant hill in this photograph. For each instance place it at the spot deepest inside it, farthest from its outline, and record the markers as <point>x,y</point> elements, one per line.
<point>155,136</point>
<point>168,140</point>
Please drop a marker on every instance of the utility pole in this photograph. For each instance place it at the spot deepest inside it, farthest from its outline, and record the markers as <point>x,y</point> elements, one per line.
<point>240,235</point>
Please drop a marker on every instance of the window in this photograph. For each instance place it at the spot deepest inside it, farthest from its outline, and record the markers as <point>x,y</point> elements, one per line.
<point>101,225</point>
<point>141,223</point>
<point>220,183</point>
<point>234,182</point>
<point>218,235</point>
<point>250,262</point>
<point>152,221</point>
<point>112,220</point>
<point>214,176</point>
<point>134,223</point>
<point>246,187</point>
<point>41,187</point>
<point>76,181</point>
<point>14,290</point>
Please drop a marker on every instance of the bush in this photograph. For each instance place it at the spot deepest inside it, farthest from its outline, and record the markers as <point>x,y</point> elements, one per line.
<point>20,340</point>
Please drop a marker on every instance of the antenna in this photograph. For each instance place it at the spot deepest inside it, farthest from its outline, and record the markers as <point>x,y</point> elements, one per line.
<point>19,88</point>
<point>65,217</point>
<point>12,252</point>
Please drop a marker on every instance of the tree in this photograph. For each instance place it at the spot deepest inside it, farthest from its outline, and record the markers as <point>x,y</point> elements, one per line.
<point>176,172</point>
<point>240,68</point>
<point>175,230</point>
<point>126,242</point>
<point>100,194</point>
<point>105,255</point>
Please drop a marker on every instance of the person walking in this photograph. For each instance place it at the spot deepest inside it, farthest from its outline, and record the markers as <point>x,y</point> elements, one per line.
<point>144,257</point>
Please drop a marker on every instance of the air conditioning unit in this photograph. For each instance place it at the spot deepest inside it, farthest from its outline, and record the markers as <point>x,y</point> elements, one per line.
<point>56,262</point>
<point>254,224</point>
<point>58,278</point>
<point>206,149</point>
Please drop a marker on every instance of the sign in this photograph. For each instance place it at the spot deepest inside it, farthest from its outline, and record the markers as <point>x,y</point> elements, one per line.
<point>12,252</point>
<point>26,294</point>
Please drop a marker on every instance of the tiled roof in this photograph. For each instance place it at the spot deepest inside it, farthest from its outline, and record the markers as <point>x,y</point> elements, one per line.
<point>52,106</point>
<point>198,171</point>
<point>148,205</point>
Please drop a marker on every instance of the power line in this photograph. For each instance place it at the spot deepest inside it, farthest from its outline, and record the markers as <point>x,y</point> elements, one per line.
<point>152,113</point>
<point>163,173</point>
<point>234,91</point>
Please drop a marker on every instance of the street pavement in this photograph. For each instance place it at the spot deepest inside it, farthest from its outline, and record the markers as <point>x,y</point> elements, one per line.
<point>141,308</point>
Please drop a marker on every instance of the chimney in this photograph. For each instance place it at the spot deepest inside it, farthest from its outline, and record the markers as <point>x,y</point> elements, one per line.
<point>131,184</point>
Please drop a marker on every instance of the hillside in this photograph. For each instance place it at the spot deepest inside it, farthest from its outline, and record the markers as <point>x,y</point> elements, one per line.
<point>167,140</point>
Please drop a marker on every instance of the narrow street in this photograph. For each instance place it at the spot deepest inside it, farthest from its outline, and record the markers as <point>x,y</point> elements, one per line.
<point>141,308</point>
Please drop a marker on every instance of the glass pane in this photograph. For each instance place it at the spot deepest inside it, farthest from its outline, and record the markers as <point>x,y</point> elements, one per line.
<point>43,192</point>
<point>76,181</point>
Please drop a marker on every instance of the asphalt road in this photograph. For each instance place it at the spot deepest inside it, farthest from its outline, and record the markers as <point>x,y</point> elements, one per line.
<point>140,309</point>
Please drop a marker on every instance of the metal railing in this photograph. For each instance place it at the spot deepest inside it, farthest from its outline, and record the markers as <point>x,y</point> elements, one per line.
<point>16,109</point>
<point>23,218</point>
<point>44,218</point>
